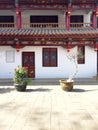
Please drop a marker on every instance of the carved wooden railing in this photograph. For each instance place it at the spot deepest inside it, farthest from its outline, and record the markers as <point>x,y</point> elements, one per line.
<point>80,25</point>
<point>47,25</point>
<point>44,25</point>
<point>7,25</point>
<point>56,25</point>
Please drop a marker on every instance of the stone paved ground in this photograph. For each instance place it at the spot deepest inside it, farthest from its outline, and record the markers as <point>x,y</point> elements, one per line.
<point>48,107</point>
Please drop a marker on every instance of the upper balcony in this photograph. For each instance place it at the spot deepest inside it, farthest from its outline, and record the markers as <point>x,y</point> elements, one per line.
<point>73,26</point>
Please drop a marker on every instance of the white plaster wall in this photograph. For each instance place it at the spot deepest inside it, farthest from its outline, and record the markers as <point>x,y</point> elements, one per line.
<point>89,69</point>
<point>86,14</point>
<point>26,15</point>
<point>7,68</point>
<point>61,15</point>
<point>63,70</point>
<point>8,12</point>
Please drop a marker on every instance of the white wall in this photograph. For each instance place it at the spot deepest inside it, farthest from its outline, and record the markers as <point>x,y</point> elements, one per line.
<point>8,12</point>
<point>61,15</point>
<point>63,70</point>
<point>88,69</point>
<point>86,14</point>
<point>26,15</point>
<point>7,68</point>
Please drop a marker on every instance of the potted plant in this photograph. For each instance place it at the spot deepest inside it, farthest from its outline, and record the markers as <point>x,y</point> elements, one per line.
<point>21,79</point>
<point>67,85</point>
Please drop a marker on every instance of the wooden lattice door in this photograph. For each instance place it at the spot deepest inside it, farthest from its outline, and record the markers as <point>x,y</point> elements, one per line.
<point>28,60</point>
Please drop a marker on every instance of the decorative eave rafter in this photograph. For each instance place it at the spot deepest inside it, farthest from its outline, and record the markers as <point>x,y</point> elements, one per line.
<point>54,36</point>
<point>46,4</point>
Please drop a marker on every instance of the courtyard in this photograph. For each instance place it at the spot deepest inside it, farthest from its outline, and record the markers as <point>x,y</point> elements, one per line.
<point>45,106</point>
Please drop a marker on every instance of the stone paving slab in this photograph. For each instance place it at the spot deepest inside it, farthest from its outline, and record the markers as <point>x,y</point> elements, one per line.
<point>48,107</point>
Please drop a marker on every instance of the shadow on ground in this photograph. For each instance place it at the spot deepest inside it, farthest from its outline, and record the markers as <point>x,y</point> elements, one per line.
<point>39,90</point>
<point>6,90</point>
<point>83,90</point>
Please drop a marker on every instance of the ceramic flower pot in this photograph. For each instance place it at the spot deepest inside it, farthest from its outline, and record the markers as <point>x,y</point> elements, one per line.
<point>20,87</point>
<point>66,86</point>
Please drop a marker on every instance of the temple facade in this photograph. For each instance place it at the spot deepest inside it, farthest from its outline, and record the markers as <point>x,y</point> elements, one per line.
<point>42,34</point>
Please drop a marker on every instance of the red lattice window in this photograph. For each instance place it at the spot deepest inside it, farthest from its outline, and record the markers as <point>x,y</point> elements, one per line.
<point>49,57</point>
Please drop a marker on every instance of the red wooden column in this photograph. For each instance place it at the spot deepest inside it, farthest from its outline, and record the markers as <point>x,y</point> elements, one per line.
<point>68,18</point>
<point>68,14</point>
<point>18,18</point>
<point>18,15</point>
<point>94,20</point>
<point>97,11</point>
<point>95,15</point>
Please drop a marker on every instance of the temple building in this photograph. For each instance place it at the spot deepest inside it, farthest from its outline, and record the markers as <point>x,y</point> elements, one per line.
<point>39,34</point>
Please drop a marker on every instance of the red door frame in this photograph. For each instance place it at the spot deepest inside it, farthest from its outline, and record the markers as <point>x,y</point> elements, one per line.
<point>28,60</point>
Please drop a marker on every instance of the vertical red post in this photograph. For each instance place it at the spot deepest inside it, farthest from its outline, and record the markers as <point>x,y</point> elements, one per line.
<point>68,18</point>
<point>95,15</point>
<point>94,20</point>
<point>96,45</point>
<point>66,21</point>
<point>17,47</point>
<point>68,47</point>
<point>18,18</point>
<point>96,11</point>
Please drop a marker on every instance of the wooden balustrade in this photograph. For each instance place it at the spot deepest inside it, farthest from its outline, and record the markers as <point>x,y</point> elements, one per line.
<point>7,25</point>
<point>56,25</point>
<point>47,25</point>
<point>80,25</point>
<point>43,25</point>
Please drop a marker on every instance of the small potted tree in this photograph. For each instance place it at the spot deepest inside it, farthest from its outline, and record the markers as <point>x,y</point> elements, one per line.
<point>21,79</point>
<point>67,85</point>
